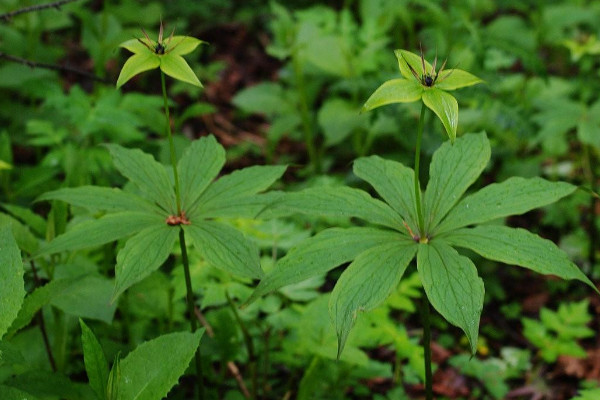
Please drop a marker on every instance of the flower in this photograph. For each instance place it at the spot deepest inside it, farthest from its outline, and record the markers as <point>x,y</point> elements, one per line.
<point>164,54</point>
<point>430,86</point>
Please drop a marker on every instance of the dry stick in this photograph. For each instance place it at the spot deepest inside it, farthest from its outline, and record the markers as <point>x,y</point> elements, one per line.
<point>41,322</point>
<point>230,364</point>
<point>38,7</point>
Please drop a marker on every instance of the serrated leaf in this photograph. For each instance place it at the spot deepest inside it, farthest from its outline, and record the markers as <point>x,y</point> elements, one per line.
<point>136,64</point>
<point>154,367</point>
<point>452,286</point>
<point>394,182</point>
<point>100,198</point>
<point>514,196</point>
<point>515,246</point>
<point>454,167</point>
<point>314,256</point>
<point>176,67</point>
<point>444,105</point>
<point>96,365</point>
<point>225,248</point>
<point>394,91</point>
<point>338,201</point>
<point>231,189</point>
<point>199,165</point>
<point>103,230</point>
<point>451,79</point>
<point>146,173</point>
<point>367,282</point>
<point>143,254</point>
<point>12,287</point>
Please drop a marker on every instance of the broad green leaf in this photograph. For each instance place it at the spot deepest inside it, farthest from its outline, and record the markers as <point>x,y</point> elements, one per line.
<point>514,196</point>
<point>338,201</point>
<point>394,182</point>
<point>29,218</point>
<point>451,79</point>
<point>229,189</point>
<point>143,254</point>
<point>321,253</point>
<point>198,166</point>
<point>454,167</point>
<point>444,105</point>
<point>182,45</point>
<point>90,298</point>
<point>26,241</point>
<point>515,246</point>
<point>394,91</point>
<point>452,286</point>
<point>42,384</point>
<point>100,198</point>
<point>225,248</point>
<point>146,173</point>
<point>136,64</point>
<point>176,67</point>
<point>238,207</point>
<point>103,230</point>
<point>135,46</point>
<point>96,365</point>
<point>11,393</point>
<point>39,298</point>
<point>406,58</point>
<point>367,282</point>
<point>154,367</point>
<point>12,287</point>
<point>338,118</point>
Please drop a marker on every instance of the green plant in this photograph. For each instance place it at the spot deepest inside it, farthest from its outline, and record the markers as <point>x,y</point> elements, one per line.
<point>430,231</point>
<point>557,332</point>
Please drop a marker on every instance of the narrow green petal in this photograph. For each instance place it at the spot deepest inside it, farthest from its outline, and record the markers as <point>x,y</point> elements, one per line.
<point>455,79</point>
<point>406,58</point>
<point>394,91</point>
<point>136,64</point>
<point>444,105</point>
<point>176,67</point>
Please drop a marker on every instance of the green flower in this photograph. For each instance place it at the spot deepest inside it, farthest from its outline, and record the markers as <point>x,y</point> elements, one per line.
<point>429,85</point>
<point>166,54</point>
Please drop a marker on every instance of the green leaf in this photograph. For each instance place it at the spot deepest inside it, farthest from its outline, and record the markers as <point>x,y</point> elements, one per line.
<point>182,45</point>
<point>176,67</point>
<point>338,201</point>
<point>515,246</point>
<point>394,182</point>
<point>30,218</point>
<point>444,105</point>
<point>135,46</point>
<point>454,167</point>
<point>11,393</point>
<point>95,361</point>
<point>12,287</point>
<point>114,379</point>
<point>239,207</point>
<point>198,166</point>
<point>154,367</point>
<point>99,231</point>
<point>225,248</point>
<point>367,282</point>
<point>394,91</point>
<point>338,118</point>
<point>136,64</point>
<point>451,79</point>
<point>90,298</point>
<point>142,255</point>
<point>100,198</point>
<point>146,173</point>
<point>514,196</point>
<point>452,286</point>
<point>314,256</point>
<point>406,58</point>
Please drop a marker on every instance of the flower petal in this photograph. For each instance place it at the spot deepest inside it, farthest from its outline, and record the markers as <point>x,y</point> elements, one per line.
<point>137,63</point>
<point>176,67</point>
<point>444,105</point>
<point>406,58</point>
<point>394,91</point>
<point>451,79</point>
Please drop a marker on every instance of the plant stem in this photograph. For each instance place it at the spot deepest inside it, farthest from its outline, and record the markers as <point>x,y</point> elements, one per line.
<point>427,348</point>
<point>190,309</point>
<point>171,144</point>
<point>42,323</point>
<point>590,177</point>
<point>417,165</point>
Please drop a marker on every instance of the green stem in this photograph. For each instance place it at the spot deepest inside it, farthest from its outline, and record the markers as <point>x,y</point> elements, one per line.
<point>427,348</point>
<point>190,308</point>
<point>171,144</point>
<point>592,231</point>
<point>417,164</point>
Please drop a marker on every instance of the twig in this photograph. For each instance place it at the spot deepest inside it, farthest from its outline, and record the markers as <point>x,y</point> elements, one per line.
<point>55,67</point>
<point>41,322</point>
<point>37,7</point>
